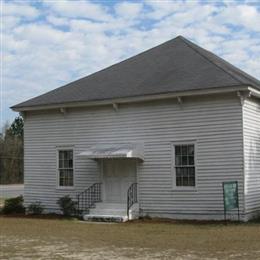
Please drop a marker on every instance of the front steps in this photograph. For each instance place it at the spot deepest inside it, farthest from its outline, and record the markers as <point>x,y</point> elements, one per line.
<point>111,212</point>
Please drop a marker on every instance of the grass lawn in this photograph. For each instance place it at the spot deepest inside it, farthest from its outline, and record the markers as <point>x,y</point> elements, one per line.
<point>23,238</point>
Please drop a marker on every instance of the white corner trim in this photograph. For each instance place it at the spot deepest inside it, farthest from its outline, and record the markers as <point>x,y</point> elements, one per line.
<point>243,96</point>
<point>244,160</point>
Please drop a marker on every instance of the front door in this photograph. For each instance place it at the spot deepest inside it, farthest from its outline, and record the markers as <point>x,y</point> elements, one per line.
<point>118,175</point>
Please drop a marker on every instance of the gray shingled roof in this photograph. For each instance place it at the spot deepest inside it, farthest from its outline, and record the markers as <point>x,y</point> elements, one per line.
<point>174,66</point>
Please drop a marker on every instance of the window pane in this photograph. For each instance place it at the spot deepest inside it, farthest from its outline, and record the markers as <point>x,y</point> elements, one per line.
<point>178,181</point>
<point>185,172</point>
<point>61,165</point>
<point>61,159</point>
<point>66,164</point>
<point>185,176</point>
<point>191,149</point>
<point>66,159</point>
<point>184,150</point>
<point>70,155</point>
<point>61,155</point>
<point>184,160</point>
<point>191,160</point>
<point>185,181</point>
<point>191,171</point>
<point>70,178</point>
<point>177,150</point>
<point>70,163</point>
<point>178,160</point>
<point>178,172</point>
<point>66,155</point>
<point>191,176</point>
<point>192,181</point>
<point>66,178</point>
<point>62,176</point>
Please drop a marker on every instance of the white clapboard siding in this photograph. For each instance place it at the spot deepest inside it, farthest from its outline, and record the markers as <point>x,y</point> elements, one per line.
<point>215,123</point>
<point>252,156</point>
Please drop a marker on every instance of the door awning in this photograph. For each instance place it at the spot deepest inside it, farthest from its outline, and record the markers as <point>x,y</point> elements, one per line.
<point>102,151</point>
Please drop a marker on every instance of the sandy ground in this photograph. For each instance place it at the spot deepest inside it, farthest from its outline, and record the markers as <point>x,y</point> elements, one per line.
<point>60,250</point>
<point>59,239</point>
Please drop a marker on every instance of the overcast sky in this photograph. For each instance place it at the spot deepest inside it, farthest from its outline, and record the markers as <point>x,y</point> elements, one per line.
<point>46,44</point>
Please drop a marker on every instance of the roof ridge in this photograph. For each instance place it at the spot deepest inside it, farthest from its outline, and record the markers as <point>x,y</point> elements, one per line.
<point>188,43</point>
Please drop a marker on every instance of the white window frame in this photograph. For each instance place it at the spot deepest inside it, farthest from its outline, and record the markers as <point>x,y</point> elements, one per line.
<point>183,188</point>
<point>64,148</point>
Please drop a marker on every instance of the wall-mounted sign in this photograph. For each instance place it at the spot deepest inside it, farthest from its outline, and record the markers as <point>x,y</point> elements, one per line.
<point>230,197</point>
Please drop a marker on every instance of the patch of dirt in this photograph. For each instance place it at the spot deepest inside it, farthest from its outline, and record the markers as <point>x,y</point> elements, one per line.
<point>44,250</point>
<point>28,238</point>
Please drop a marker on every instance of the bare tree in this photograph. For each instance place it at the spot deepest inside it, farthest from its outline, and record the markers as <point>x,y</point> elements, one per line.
<point>11,153</point>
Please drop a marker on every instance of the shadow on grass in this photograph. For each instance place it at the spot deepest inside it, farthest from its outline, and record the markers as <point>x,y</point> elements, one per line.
<point>41,216</point>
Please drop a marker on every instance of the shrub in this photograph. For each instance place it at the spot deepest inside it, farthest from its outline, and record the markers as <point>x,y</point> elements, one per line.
<point>67,205</point>
<point>35,208</point>
<point>14,205</point>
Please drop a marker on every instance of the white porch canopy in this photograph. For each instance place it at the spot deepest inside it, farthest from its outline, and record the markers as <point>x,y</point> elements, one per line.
<point>102,151</point>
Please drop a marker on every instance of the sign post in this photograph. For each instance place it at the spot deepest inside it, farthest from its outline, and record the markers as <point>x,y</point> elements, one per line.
<point>230,197</point>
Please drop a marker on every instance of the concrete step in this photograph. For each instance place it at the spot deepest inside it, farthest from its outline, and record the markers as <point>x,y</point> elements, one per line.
<point>111,212</point>
<point>105,218</point>
<point>100,211</point>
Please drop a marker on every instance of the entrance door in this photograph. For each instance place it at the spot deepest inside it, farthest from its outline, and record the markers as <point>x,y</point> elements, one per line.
<point>118,175</point>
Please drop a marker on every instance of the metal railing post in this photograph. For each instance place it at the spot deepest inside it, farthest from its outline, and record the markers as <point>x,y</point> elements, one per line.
<point>88,197</point>
<point>131,197</point>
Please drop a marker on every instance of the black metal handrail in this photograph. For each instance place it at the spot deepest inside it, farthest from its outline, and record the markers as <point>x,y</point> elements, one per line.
<point>131,197</point>
<point>88,198</point>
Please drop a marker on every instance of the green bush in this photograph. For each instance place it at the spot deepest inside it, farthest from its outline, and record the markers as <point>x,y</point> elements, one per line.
<point>14,205</point>
<point>35,208</point>
<point>67,205</point>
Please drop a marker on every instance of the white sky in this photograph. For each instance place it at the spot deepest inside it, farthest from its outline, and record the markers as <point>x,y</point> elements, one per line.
<point>46,44</point>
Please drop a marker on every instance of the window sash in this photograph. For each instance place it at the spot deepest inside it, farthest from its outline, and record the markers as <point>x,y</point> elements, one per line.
<point>65,159</point>
<point>184,165</point>
<point>185,176</point>
<point>65,168</point>
<point>66,177</point>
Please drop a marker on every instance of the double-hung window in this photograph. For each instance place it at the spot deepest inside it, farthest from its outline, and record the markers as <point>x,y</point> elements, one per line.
<point>65,168</point>
<point>184,165</point>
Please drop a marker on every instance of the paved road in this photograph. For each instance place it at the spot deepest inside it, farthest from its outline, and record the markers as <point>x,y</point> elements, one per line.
<point>10,191</point>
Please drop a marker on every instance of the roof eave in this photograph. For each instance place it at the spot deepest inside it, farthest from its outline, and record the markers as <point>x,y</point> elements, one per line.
<point>254,92</point>
<point>135,99</point>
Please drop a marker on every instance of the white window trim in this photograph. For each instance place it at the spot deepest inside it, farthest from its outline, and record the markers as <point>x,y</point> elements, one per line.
<point>183,188</point>
<point>64,148</point>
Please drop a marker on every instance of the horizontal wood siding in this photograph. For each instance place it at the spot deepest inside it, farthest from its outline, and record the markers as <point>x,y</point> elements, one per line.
<point>252,156</point>
<point>215,123</point>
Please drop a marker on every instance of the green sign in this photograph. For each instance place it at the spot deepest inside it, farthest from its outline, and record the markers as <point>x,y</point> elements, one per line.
<point>230,193</point>
<point>230,197</point>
